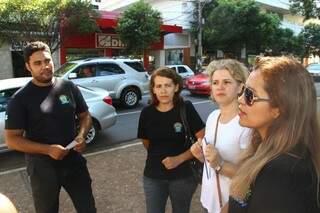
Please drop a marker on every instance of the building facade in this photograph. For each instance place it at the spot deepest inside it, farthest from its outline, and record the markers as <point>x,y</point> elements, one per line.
<point>177,45</point>
<point>179,48</point>
<point>103,44</point>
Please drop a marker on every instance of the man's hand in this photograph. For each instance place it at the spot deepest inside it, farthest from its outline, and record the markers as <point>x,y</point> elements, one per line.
<point>196,150</point>
<point>81,144</point>
<point>171,162</point>
<point>57,152</point>
<point>212,155</point>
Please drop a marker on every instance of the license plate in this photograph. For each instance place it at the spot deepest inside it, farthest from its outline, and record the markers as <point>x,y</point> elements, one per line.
<point>192,87</point>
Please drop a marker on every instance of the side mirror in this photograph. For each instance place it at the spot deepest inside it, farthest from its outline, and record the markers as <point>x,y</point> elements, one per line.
<point>72,75</point>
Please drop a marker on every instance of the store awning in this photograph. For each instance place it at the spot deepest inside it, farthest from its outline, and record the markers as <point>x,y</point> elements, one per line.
<point>166,29</point>
<point>110,20</point>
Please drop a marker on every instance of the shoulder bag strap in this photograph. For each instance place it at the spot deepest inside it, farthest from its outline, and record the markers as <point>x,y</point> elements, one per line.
<point>183,116</point>
<point>217,174</point>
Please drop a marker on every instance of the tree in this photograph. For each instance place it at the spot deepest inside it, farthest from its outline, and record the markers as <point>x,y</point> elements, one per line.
<point>232,25</point>
<point>307,8</point>
<point>28,20</point>
<point>285,42</point>
<point>139,27</point>
<point>311,39</point>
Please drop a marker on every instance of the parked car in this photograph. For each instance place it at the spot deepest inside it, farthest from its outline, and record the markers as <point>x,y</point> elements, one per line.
<point>199,84</point>
<point>125,79</point>
<point>183,70</point>
<point>98,100</point>
<point>314,70</point>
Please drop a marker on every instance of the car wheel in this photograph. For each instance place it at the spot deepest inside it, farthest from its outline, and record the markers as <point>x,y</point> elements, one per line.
<point>92,134</point>
<point>130,98</point>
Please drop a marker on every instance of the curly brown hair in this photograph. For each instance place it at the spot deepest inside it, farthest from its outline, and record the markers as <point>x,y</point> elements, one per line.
<point>168,73</point>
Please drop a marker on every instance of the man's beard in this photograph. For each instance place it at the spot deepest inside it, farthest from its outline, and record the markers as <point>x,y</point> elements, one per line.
<point>43,80</point>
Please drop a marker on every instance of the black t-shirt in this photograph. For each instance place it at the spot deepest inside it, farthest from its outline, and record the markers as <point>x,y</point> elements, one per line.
<point>47,114</point>
<point>286,184</point>
<point>166,134</point>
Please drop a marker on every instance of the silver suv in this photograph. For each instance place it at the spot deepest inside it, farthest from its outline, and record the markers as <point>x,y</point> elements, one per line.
<point>125,79</point>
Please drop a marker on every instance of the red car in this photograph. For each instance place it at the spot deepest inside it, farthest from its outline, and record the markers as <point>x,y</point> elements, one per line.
<point>199,84</point>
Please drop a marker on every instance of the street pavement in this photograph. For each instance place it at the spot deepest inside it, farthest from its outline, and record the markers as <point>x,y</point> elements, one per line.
<point>117,183</point>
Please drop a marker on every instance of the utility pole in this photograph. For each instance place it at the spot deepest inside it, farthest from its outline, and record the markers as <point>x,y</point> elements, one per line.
<point>199,58</point>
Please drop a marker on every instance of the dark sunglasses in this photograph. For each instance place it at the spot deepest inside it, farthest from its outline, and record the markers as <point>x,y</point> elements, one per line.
<point>250,97</point>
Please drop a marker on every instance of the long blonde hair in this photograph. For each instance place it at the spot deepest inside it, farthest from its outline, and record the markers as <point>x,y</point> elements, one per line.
<point>291,89</point>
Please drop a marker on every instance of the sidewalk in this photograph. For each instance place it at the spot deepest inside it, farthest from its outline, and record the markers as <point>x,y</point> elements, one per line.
<point>117,183</point>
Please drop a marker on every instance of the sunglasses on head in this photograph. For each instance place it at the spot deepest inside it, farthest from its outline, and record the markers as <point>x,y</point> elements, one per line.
<point>250,97</point>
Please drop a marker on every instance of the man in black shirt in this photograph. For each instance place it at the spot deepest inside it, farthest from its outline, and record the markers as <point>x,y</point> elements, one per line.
<point>40,121</point>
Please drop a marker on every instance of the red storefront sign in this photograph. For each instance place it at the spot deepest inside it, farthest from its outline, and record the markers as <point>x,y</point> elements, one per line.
<point>108,41</point>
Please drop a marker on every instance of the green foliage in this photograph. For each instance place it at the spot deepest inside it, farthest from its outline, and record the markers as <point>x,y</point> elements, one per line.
<point>233,24</point>
<point>27,20</point>
<point>311,39</point>
<point>80,17</point>
<point>139,27</point>
<point>307,8</point>
<point>285,42</point>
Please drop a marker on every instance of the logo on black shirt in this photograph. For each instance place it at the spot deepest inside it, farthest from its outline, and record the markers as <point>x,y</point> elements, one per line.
<point>177,127</point>
<point>64,99</point>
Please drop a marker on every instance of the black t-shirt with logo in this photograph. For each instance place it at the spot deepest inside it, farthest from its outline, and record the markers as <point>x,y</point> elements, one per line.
<point>286,184</point>
<point>166,134</point>
<point>47,114</point>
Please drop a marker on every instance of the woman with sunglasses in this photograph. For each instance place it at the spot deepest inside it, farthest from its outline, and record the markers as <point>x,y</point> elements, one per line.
<point>280,170</point>
<point>167,172</point>
<point>224,138</point>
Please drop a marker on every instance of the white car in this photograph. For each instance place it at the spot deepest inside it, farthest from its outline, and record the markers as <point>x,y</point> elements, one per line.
<point>314,70</point>
<point>183,70</point>
<point>125,79</point>
<point>98,100</point>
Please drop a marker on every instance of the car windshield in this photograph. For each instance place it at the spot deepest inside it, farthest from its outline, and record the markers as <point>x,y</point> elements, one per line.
<point>314,67</point>
<point>135,65</point>
<point>63,69</point>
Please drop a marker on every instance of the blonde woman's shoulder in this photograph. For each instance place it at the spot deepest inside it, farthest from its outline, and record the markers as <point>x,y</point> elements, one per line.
<point>6,206</point>
<point>214,114</point>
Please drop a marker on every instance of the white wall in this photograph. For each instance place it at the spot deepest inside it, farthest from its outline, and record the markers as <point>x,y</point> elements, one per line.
<point>5,61</point>
<point>294,27</point>
<point>56,59</point>
<point>293,22</point>
<point>176,40</point>
<point>283,4</point>
<point>173,12</point>
<point>159,56</point>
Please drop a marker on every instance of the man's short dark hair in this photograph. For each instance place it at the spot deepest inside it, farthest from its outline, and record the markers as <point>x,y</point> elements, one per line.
<point>33,47</point>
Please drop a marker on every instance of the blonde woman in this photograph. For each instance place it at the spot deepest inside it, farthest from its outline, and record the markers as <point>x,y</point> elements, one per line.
<point>225,137</point>
<point>280,171</point>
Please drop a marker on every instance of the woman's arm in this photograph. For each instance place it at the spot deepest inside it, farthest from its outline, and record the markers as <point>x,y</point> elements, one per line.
<point>215,160</point>
<point>200,134</point>
<point>146,143</point>
<point>174,161</point>
<point>196,148</point>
